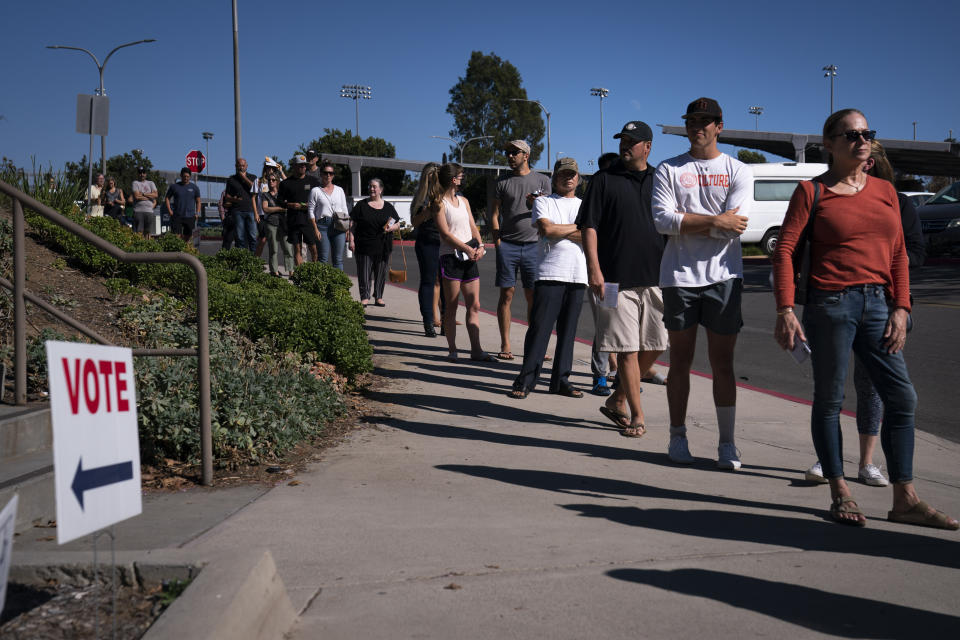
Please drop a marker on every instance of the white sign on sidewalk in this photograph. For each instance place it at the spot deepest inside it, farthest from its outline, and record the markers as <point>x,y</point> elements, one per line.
<point>8,518</point>
<point>96,451</point>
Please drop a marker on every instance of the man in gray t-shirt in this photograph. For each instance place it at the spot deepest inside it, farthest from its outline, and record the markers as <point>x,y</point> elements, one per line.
<point>144,201</point>
<point>514,236</point>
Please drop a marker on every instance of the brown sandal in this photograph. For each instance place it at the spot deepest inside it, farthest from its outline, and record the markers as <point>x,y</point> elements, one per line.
<point>920,514</point>
<point>634,431</point>
<point>846,505</point>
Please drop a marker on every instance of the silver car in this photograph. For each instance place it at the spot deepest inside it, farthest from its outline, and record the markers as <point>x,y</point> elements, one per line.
<point>940,218</point>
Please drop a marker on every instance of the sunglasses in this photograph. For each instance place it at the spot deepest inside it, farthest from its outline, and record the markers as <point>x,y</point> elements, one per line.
<point>514,152</point>
<point>329,173</point>
<point>853,135</point>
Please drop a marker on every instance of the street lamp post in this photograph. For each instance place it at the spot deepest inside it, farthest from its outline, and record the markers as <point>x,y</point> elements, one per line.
<point>547,113</point>
<point>355,92</point>
<point>461,146</point>
<point>757,111</point>
<point>601,93</point>
<point>100,91</point>
<point>208,136</point>
<point>914,129</point>
<point>831,72</point>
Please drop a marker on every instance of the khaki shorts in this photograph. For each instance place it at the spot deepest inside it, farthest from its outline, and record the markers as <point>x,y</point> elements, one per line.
<point>636,324</point>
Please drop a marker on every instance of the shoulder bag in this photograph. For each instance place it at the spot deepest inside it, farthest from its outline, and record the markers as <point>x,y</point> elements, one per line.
<point>801,254</point>
<point>398,275</point>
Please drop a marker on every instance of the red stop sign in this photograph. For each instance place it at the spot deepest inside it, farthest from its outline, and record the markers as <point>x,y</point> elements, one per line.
<point>196,161</point>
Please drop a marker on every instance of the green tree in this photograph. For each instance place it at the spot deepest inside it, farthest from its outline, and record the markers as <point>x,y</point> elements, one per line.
<point>751,157</point>
<point>482,104</point>
<point>344,142</point>
<point>123,168</point>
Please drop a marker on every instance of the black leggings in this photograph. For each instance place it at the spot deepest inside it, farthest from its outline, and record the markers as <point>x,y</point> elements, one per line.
<point>428,260</point>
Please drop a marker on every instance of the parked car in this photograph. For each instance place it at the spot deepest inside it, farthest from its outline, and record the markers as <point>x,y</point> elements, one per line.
<point>918,198</point>
<point>940,218</point>
<point>773,185</point>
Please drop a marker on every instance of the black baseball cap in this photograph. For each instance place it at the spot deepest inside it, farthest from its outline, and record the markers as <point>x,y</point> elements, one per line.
<point>637,131</point>
<point>704,107</point>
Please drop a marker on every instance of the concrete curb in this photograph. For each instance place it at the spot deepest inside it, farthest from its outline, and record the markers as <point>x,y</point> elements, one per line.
<point>235,597</point>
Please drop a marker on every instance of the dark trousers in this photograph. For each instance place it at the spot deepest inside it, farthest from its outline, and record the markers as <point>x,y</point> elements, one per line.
<point>371,268</point>
<point>553,303</point>
<point>229,230</point>
<point>428,260</point>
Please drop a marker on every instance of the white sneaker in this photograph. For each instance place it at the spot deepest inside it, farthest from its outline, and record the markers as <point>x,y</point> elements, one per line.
<point>728,457</point>
<point>815,474</point>
<point>678,451</point>
<point>871,475</point>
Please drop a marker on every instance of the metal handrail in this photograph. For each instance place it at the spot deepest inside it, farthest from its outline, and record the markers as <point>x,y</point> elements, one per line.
<point>21,295</point>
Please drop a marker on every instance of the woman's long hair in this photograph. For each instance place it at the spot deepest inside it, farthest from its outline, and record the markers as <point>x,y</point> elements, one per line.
<point>444,178</point>
<point>881,164</point>
<point>422,197</point>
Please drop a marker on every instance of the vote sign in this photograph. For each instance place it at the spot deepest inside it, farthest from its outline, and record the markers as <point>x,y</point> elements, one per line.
<point>196,161</point>
<point>96,451</point>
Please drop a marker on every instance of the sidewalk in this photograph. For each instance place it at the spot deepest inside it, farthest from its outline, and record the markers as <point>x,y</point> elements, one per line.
<point>462,513</point>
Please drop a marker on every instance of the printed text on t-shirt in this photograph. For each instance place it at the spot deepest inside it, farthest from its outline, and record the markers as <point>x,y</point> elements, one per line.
<point>689,180</point>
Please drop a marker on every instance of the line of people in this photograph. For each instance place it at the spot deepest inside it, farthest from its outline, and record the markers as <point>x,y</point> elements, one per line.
<point>659,250</point>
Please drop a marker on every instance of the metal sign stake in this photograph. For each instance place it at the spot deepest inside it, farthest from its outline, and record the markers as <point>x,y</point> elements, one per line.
<point>111,532</point>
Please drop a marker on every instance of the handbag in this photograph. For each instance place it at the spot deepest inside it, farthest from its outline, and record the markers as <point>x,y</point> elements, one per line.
<point>801,258</point>
<point>397,275</point>
<point>341,221</point>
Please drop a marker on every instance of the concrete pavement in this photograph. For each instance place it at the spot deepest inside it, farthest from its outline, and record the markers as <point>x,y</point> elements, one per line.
<point>462,513</point>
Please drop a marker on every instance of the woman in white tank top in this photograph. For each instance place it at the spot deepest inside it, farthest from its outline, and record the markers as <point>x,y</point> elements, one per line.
<point>460,248</point>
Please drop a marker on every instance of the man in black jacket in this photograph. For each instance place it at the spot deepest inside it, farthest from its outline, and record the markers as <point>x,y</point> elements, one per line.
<point>243,206</point>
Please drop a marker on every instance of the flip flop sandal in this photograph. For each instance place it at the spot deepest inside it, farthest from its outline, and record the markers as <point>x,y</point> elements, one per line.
<point>636,431</point>
<point>569,392</point>
<point>920,515</point>
<point>846,505</point>
<point>622,420</point>
<point>519,394</point>
<point>482,357</point>
<point>505,355</point>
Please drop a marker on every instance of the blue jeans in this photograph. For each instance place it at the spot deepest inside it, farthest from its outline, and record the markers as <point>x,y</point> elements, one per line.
<point>836,322</point>
<point>332,244</point>
<point>428,261</point>
<point>246,230</point>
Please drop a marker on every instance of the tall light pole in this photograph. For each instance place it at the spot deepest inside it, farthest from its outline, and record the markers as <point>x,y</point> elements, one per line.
<point>355,92</point>
<point>601,93</point>
<point>914,129</point>
<point>831,72</point>
<point>100,91</point>
<point>461,146</point>
<point>208,136</point>
<point>547,113</point>
<point>236,85</point>
<point>756,111</point>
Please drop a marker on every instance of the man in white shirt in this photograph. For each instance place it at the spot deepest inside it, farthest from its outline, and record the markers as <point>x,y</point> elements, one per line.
<point>560,285</point>
<point>700,200</point>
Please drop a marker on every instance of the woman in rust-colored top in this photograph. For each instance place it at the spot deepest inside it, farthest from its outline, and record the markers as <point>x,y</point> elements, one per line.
<point>859,297</point>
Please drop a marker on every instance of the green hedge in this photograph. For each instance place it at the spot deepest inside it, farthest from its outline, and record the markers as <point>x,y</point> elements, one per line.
<point>318,316</point>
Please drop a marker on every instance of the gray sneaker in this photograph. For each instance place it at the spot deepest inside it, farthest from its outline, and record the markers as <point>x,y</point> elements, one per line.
<point>815,474</point>
<point>728,457</point>
<point>678,451</point>
<point>871,475</point>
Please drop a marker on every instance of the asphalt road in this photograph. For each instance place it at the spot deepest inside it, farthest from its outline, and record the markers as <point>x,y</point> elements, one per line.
<point>932,353</point>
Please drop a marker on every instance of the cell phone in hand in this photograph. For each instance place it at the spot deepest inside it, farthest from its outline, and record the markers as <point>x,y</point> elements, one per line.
<point>800,351</point>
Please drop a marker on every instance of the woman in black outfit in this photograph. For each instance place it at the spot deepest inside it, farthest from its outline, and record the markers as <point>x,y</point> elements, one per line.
<point>111,198</point>
<point>371,239</point>
<point>427,247</point>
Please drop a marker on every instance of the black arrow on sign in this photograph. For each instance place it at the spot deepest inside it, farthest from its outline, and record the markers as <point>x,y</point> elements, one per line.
<point>99,477</point>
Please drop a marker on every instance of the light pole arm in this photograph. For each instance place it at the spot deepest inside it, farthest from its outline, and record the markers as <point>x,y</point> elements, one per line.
<point>114,50</point>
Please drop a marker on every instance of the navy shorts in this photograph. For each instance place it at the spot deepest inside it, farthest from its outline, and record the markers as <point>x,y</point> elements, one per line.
<point>514,256</point>
<point>462,270</point>
<point>715,306</point>
<point>300,230</point>
<point>184,226</point>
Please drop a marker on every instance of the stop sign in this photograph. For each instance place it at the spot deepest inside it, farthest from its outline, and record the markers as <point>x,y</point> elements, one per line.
<point>196,161</point>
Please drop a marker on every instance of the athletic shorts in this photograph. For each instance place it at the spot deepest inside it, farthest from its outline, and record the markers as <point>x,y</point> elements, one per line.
<point>715,306</point>
<point>514,256</point>
<point>300,231</point>
<point>184,226</point>
<point>462,270</point>
<point>143,221</point>
<point>636,324</point>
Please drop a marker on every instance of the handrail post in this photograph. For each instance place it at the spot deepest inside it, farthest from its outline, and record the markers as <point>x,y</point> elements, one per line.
<point>203,373</point>
<point>19,312</point>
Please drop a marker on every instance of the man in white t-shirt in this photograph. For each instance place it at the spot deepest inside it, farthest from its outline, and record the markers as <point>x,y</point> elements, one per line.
<point>96,209</point>
<point>560,285</point>
<point>144,201</point>
<point>701,200</point>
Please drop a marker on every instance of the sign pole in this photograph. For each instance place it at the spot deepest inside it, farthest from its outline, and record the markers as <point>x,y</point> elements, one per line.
<point>90,159</point>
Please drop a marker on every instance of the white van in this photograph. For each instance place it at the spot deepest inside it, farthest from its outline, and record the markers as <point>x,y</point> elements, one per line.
<point>773,185</point>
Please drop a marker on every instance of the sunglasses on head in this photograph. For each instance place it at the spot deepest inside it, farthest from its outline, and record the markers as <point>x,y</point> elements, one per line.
<point>853,135</point>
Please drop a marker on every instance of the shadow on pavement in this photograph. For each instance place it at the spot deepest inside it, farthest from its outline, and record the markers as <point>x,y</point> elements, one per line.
<point>776,530</point>
<point>581,485</point>
<point>815,609</point>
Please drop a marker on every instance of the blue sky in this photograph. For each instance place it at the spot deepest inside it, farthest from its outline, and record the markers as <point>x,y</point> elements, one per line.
<point>896,62</point>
